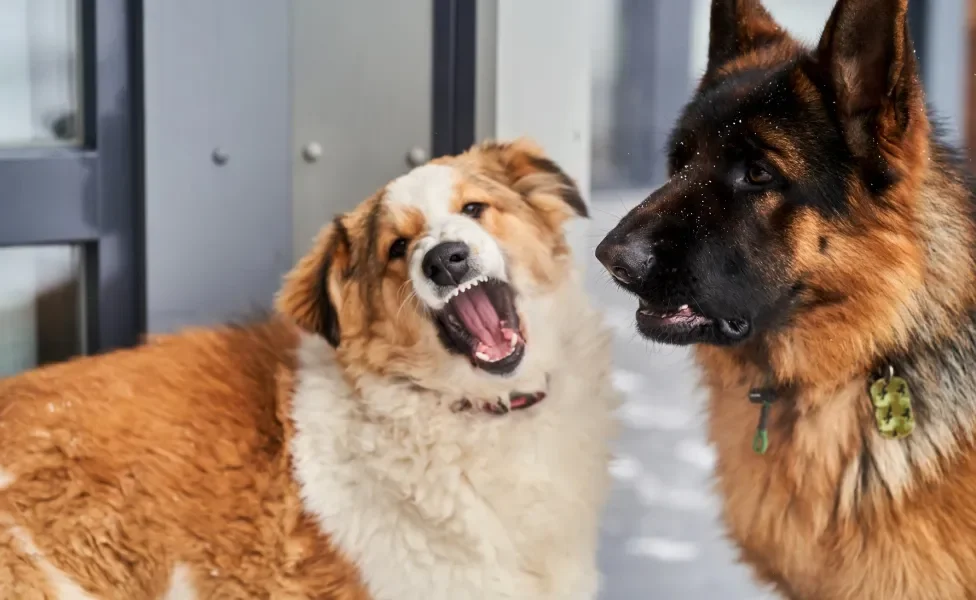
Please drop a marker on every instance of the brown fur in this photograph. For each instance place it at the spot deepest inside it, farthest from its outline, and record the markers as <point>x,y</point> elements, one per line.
<point>815,231</point>
<point>384,329</point>
<point>126,465</point>
<point>832,511</point>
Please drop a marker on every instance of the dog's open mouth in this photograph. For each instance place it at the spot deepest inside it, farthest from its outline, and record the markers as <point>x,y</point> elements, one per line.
<point>687,325</point>
<point>481,322</point>
<point>683,316</point>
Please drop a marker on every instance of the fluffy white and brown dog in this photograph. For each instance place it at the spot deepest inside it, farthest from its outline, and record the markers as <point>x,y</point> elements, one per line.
<point>427,417</point>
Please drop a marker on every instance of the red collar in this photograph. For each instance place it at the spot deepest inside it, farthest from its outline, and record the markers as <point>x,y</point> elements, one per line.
<point>516,401</point>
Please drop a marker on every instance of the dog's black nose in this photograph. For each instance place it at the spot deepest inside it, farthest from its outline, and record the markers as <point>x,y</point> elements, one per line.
<point>446,264</point>
<point>628,261</point>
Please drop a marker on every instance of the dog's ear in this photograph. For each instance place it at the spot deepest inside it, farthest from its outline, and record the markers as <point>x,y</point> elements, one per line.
<point>867,53</point>
<point>738,27</point>
<point>524,167</point>
<point>310,295</point>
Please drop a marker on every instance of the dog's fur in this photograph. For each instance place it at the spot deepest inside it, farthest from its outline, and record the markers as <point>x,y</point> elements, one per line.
<point>322,453</point>
<point>812,206</point>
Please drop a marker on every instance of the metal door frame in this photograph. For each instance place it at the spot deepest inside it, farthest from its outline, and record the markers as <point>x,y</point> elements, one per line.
<point>454,76</point>
<point>90,194</point>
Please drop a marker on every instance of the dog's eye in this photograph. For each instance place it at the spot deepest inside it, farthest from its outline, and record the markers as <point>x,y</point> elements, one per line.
<point>398,249</point>
<point>473,209</point>
<point>757,175</point>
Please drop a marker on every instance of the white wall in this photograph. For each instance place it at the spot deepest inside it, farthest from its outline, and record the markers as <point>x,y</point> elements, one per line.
<point>604,58</point>
<point>948,72</point>
<point>542,86</point>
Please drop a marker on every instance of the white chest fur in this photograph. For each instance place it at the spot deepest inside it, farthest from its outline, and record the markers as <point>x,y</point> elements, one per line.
<point>444,506</point>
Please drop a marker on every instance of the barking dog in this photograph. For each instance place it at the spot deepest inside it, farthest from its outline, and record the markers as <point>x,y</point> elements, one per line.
<point>427,418</point>
<point>815,240</point>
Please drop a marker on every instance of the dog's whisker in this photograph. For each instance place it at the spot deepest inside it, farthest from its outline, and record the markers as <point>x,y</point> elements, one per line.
<point>411,296</point>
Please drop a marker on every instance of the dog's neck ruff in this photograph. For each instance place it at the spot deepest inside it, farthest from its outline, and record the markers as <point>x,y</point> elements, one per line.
<point>432,505</point>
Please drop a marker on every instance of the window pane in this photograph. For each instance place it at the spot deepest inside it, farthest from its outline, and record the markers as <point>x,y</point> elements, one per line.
<point>39,72</point>
<point>41,306</point>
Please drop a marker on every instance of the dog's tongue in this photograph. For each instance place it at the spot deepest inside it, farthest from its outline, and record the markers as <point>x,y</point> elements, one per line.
<point>479,316</point>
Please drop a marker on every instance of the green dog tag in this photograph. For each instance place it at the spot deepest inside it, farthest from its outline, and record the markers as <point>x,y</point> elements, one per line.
<point>892,402</point>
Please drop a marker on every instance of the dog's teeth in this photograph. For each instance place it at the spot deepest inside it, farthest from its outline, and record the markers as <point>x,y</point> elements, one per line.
<point>483,356</point>
<point>683,307</point>
<point>513,341</point>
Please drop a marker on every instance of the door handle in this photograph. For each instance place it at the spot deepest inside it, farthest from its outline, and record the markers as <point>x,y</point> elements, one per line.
<point>312,152</point>
<point>417,156</point>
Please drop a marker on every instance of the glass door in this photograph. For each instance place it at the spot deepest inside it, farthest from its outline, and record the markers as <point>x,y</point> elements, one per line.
<point>68,209</point>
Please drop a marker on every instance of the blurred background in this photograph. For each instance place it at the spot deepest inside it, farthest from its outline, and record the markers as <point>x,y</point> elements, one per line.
<point>163,163</point>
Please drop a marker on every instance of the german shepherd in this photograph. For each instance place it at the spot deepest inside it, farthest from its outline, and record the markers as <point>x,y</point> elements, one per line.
<point>815,241</point>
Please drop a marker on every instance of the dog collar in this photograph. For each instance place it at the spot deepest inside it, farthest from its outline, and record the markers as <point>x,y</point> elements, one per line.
<point>764,396</point>
<point>890,396</point>
<point>516,401</point>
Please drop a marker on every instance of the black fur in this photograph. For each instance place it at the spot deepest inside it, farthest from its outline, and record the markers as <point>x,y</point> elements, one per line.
<point>726,39</point>
<point>329,318</point>
<point>722,242</point>
<point>570,193</point>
